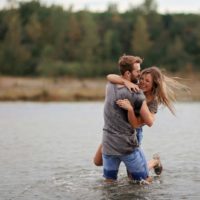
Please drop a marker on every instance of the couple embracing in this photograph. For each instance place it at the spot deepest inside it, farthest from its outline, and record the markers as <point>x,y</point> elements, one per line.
<point>131,101</point>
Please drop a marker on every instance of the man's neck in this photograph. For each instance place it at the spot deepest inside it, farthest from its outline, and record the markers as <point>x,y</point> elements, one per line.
<point>126,78</point>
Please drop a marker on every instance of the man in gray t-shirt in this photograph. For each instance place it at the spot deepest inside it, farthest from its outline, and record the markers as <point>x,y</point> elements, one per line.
<point>119,137</point>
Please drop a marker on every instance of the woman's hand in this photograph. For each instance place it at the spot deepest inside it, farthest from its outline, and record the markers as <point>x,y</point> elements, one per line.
<point>131,86</point>
<point>125,104</point>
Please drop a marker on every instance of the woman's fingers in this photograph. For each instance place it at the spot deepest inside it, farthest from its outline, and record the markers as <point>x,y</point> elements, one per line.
<point>135,88</point>
<point>120,103</point>
<point>131,86</point>
<point>123,103</point>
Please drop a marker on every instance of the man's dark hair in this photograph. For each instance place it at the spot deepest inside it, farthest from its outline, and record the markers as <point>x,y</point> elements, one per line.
<point>126,63</point>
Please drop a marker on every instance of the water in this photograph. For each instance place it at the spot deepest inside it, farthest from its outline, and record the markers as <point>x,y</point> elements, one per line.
<point>46,152</point>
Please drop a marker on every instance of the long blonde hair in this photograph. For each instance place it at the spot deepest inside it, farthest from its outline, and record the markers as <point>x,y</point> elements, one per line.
<point>164,87</point>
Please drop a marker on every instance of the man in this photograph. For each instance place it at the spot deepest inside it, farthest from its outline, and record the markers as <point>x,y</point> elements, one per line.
<point>119,137</point>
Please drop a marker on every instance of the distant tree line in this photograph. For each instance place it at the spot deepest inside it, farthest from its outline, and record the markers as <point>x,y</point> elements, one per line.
<point>37,40</point>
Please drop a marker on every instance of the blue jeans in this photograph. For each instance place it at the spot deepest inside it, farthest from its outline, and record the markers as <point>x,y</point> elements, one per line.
<point>139,135</point>
<point>135,164</point>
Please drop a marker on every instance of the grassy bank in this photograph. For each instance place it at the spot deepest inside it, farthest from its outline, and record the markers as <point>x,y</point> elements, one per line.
<point>72,89</point>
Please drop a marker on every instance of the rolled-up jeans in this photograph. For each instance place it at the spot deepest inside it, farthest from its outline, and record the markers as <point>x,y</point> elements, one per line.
<point>135,164</point>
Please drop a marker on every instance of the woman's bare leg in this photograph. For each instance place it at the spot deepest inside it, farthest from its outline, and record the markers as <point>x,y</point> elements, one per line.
<point>98,161</point>
<point>155,164</point>
<point>152,163</point>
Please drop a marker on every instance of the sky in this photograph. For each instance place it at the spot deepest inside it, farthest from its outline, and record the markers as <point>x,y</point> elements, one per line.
<point>164,6</point>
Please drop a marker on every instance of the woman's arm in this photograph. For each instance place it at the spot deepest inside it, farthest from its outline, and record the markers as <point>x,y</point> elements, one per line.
<point>116,79</point>
<point>147,117</point>
<point>133,120</point>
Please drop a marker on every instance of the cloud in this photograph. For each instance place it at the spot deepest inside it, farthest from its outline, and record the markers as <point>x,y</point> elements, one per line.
<point>179,6</point>
<point>100,5</point>
<point>95,5</point>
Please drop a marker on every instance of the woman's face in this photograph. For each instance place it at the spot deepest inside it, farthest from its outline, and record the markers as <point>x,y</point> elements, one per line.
<point>146,83</point>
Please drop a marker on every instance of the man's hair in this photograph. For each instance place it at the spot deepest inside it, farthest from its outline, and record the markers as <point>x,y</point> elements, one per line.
<point>126,63</point>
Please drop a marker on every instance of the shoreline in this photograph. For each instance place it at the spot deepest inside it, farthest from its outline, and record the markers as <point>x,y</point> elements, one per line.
<point>69,89</point>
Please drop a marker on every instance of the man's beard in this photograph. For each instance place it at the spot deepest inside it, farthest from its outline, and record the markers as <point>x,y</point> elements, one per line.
<point>135,81</point>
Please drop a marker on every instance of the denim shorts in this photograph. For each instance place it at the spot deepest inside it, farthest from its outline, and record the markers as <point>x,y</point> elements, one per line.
<point>135,164</point>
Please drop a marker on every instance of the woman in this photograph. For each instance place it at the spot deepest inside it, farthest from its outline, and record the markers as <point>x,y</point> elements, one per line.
<point>158,89</point>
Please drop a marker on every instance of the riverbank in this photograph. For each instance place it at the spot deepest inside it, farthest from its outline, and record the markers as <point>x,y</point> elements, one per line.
<point>51,89</point>
<point>72,89</point>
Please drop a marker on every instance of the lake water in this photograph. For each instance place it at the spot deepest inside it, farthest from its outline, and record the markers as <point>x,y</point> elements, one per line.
<point>46,152</point>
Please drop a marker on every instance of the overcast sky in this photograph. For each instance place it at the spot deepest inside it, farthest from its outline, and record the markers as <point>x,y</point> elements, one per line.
<point>170,6</point>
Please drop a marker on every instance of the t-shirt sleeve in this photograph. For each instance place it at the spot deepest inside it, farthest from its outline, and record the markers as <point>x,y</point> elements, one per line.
<point>153,106</point>
<point>139,98</point>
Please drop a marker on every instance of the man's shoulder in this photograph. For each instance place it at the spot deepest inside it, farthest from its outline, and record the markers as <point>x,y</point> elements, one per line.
<point>109,85</point>
<point>138,95</point>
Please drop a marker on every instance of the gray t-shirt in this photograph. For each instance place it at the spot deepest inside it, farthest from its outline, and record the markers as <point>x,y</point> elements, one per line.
<point>153,106</point>
<point>119,137</point>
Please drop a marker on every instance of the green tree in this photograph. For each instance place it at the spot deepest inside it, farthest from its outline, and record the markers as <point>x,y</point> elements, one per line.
<point>176,58</point>
<point>14,57</point>
<point>33,29</point>
<point>141,41</point>
<point>88,46</point>
<point>148,6</point>
<point>111,45</point>
<point>72,38</point>
<point>37,39</point>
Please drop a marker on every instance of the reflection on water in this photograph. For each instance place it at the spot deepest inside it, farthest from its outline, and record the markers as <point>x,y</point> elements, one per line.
<point>46,152</point>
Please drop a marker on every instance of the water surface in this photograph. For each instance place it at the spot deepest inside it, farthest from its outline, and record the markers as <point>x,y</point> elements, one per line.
<point>46,152</point>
